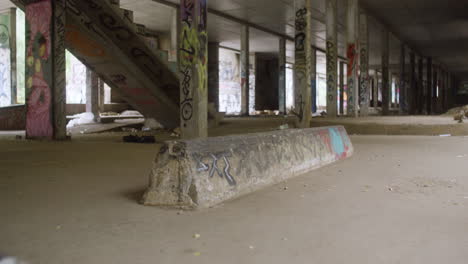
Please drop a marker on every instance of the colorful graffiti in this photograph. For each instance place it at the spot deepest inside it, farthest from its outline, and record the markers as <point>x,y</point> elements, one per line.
<point>5,60</point>
<point>331,77</point>
<point>38,50</point>
<point>193,56</point>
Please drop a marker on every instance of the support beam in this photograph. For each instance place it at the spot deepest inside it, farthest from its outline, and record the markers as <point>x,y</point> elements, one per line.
<point>282,76</point>
<point>244,60</point>
<point>13,67</point>
<point>175,24</point>
<point>412,90</point>
<point>429,86</point>
<point>386,82</point>
<point>420,87</point>
<point>376,89</point>
<point>313,79</point>
<point>45,70</point>
<point>403,89</point>
<point>193,66</point>
<point>303,63</point>
<point>352,14</point>
<point>332,50</point>
<point>364,65</point>
<point>342,86</point>
<point>435,82</point>
<point>92,94</point>
<point>213,74</point>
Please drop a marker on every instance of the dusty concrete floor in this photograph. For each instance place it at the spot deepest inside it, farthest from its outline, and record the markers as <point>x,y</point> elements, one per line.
<point>397,200</point>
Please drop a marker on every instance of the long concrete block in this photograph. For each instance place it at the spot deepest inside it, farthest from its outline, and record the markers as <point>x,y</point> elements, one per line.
<point>204,172</point>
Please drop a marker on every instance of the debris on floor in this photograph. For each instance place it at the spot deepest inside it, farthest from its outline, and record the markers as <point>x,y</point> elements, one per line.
<point>196,236</point>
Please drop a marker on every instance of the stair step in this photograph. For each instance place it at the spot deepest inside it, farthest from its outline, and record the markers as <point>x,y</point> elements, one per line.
<point>127,14</point>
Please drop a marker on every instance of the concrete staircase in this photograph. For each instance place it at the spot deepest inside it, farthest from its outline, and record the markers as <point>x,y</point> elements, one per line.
<point>105,38</point>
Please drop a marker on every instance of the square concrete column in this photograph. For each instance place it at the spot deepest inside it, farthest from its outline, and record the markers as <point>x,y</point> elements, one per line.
<point>342,86</point>
<point>45,70</point>
<point>434,90</point>
<point>175,24</point>
<point>403,89</point>
<point>364,98</point>
<point>244,69</point>
<point>313,79</point>
<point>213,74</point>
<point>376,89</point>
<point>331,22</point>
<point>420,89</point>
<point>13,67</point>
<point>193,65</point>
<point>412,90</point>
<point>303,63</point>
<point>352,16</point>
<point>92,94</point>
<point>386,81</point>
<point>429,86</point>
<point>282,76</point>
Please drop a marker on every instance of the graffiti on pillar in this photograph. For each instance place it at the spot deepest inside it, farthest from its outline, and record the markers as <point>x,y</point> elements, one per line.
<point>300,67</point>
<point>38,75</point>
<point>202,35</point>
<point>331,73</point>
<point>352,61</point>
<point>216,163</point>
<point>5,60</point>
<point>188,57</point>
<point>364,79</point>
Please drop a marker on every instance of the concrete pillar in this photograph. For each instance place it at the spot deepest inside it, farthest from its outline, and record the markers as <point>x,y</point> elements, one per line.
<point>376,90</point>
<point>386,82</point>
<point>193,65</point>
<point>342,86</point>
<point>364,65</point>
<point>429,86</point>
<point>352,14</point>
<point>412,90</point>
<point>420,86</point>
<point>213,74</point>
<point>14,89</point>
<point>244,58</point>
<point>332,50</point>
<point>303,63</point>
<point>92,94</point>
<point>45,70</point>
<point>282,76</point>
<point>313,79</point>
<point>434,90</point>
<point>403,89</point>
<point>101,92</point>
<point>175,24</point>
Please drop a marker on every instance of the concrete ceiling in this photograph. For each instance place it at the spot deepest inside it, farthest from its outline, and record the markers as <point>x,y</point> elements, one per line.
<point>436,28</point>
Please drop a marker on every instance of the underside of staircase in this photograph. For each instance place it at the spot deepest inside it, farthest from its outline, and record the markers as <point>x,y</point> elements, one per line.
<point>104,37</point>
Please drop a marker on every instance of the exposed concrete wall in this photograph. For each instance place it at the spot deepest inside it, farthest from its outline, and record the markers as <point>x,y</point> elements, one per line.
<point>204,172</point>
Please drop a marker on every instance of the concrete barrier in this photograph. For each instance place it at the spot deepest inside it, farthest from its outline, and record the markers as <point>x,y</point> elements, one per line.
<point>204,172</point>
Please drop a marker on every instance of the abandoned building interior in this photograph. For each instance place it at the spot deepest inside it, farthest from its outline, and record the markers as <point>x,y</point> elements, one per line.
<point>233,131</point>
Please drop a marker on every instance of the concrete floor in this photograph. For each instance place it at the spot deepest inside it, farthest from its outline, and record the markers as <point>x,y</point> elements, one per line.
<point>397,200</point>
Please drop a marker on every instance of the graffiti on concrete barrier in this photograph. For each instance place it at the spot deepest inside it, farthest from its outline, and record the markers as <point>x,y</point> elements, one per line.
<point>216,163</point>
<point>38,48</point>
<point>352,61</point>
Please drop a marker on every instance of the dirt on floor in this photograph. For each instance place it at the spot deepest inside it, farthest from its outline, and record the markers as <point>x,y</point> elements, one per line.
<point>399,199</point>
